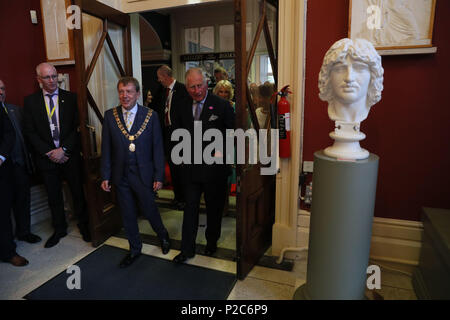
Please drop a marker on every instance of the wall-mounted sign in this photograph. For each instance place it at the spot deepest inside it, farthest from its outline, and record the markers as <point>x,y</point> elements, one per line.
<point>207,56</point>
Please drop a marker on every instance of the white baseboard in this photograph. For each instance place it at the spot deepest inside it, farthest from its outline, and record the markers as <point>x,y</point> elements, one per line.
<point>393,241</point>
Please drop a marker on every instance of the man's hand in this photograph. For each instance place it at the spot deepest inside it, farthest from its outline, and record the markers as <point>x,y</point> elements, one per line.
<point>157,186</point>
<point>57,155</point>
<point>106,186</point>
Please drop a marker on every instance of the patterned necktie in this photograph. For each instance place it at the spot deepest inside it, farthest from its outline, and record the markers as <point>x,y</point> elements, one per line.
<point>55,131</point>
<point>198,110</point>
<point>128,120</point>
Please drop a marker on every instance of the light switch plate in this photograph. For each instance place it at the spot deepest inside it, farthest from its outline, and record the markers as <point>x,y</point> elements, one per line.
<point>308,166</point>
<point>33,16</point>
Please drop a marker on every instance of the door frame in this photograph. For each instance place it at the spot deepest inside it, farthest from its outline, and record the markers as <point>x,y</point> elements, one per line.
<point>104,219</point>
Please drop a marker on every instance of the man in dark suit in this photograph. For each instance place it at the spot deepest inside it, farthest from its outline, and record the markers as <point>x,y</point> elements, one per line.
<point>211,112</point>
<point>174,94</point>
<point>51,126</point>
<point>21,171</point>
<point>133,161</point>
<point>7,246</point>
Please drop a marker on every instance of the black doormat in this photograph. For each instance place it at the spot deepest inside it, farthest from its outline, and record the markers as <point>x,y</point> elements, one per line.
<point>148,278</point>
<point>221,253</point>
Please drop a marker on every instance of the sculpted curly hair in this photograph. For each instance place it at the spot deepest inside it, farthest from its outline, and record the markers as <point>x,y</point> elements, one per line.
<point>360,50</point>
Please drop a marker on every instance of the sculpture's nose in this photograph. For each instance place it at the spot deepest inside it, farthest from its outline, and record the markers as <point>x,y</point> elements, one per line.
<point>349,75</point>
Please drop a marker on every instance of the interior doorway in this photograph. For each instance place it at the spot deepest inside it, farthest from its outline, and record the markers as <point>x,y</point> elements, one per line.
<point>171,36</point>
<point>250,62</point>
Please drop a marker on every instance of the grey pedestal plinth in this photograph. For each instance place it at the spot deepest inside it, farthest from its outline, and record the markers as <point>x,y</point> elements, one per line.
<point>340,228</point>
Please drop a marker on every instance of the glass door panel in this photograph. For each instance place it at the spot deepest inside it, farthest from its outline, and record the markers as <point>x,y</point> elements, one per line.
<point>103,81</point>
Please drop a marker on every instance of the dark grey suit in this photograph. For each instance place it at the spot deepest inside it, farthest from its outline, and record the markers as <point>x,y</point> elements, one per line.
<point>7,139</point>
<point>208,178</point>
<point>179,95</point>
<point>21,170</point>
<point>37,131</point>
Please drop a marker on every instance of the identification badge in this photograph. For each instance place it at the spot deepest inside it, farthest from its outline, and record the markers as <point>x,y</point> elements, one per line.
<point>52,127</point>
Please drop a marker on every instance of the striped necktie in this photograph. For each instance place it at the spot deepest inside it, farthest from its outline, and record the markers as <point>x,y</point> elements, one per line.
<point>55,132</point>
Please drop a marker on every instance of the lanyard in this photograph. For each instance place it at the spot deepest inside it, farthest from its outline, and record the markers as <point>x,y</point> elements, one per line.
<point>50,113</point>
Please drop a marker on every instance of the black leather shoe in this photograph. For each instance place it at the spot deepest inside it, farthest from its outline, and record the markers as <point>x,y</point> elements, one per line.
<point>54,239</point>
<point>128,260</point>
<point>17,261</point>
<point>174,204</point>
<point>181,206</point>
<point>85,233</point>
<point>165,244</point>
<point>210,250</point>
<point>30,238</point>
<point>180,258</point>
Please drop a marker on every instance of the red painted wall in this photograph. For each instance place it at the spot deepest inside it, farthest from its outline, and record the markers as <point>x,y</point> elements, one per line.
<point>409,129</point>
<point>22,48</point>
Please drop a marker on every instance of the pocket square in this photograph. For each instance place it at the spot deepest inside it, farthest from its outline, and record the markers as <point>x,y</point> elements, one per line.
<point>213,117</point>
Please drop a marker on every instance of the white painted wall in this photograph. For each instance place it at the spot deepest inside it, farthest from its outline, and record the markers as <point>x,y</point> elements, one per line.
<point>130,6</point>
<point>116,4</point>
<point>136,49</point>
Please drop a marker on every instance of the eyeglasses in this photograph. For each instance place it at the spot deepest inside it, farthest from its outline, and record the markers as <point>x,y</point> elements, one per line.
<point>46,78</point>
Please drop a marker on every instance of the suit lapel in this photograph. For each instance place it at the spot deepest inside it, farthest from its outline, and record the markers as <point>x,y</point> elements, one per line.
<point>190,115</point>
<point>42,114</point>
<point>61,111</point>
<point>138,120</point>
<point>206,111</point>
<point>120,114</point>
<point>14,117</point>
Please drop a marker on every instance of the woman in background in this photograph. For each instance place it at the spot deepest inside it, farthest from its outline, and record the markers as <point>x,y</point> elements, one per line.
<point>224,89</point>
<point>148,98</point>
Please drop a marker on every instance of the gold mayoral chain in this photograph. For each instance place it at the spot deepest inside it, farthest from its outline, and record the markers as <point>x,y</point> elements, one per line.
<point>131,138</point>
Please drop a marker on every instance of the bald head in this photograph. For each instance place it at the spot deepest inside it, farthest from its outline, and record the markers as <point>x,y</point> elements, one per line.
<point>47,77</point>
<point>164,75</point>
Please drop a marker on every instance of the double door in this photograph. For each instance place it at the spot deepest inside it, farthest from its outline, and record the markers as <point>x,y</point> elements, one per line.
<point>103,55</point>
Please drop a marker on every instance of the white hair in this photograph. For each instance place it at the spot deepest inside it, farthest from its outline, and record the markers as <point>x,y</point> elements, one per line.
<point>39,66</point>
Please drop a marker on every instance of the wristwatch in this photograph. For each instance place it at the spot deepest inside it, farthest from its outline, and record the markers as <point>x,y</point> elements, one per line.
<point>66,152</point>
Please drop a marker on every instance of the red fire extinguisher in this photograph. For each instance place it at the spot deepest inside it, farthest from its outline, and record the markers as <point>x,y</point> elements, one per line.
<point>284,122</point>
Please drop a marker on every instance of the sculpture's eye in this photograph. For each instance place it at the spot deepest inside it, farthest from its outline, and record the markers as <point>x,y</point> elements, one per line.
<point>360,66</point>
<point>339,67</point>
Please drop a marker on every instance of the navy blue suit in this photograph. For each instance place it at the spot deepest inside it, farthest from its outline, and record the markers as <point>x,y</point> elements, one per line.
<point>133,173</point>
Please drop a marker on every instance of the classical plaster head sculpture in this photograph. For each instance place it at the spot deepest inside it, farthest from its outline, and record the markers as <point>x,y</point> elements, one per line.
<point>351,81</point>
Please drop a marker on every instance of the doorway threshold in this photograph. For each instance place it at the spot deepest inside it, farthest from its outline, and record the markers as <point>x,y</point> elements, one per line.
<point>221,253</point>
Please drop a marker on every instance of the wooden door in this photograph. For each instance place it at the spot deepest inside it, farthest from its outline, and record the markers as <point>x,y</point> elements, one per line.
<point>256,67</point>
<point>103,55</point>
